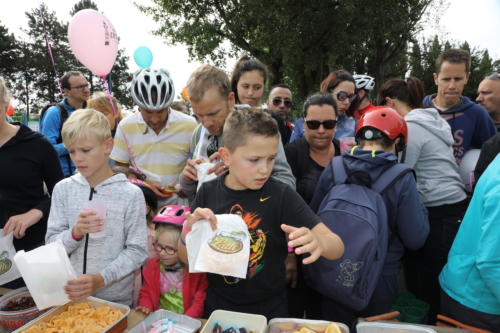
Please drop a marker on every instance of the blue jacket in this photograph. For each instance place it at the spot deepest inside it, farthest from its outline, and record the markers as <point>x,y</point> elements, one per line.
<point>50,125</point>
<point>472,273</point>
<point>404,209</point>
<point>471,126</point>
<point>298,130</point>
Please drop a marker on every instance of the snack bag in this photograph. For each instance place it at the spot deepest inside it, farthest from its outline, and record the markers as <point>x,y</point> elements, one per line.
<point>202,170</point>
<point>8,269</point>
<point>224,251</point>
<point>46,270</point>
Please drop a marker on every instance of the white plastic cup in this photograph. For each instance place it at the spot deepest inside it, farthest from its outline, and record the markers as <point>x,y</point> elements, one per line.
<point>344,141</point>
<point>98,206</point>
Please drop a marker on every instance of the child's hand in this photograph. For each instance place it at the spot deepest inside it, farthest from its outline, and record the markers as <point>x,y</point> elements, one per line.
<point>200,214</point>
<point>84,286</point>
<point>308,240</point>
<point>143,310</point>
<point>87,223</point>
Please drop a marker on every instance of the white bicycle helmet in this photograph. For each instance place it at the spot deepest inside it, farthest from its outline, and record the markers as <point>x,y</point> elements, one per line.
<point>364,82</point>
<point>149,82</point>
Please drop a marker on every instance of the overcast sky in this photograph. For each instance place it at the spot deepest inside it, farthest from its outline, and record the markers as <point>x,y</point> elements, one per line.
<point>475,21</point>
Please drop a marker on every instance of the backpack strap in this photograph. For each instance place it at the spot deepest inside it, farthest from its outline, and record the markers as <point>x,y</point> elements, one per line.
<point>63,112</point>
<point>195,140</point>
<point>303,154</point>
<point>340,174</point>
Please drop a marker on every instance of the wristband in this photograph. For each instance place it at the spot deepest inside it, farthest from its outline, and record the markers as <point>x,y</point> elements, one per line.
<point>291,250</point>
<point>182,241</point>
<point>185,230</point>
<point>74,236</point>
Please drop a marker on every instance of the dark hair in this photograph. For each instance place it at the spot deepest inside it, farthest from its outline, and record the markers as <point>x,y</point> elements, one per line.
<point>65,78</point>
<point>244,123</point>
<point>384,141</point>
<point>246,64</point>
<point>281,85</point>
<point>177,105</point>
<point>410,91</point>
<point>454,56</point>
<point>333,80</point>
<point>320,98</point>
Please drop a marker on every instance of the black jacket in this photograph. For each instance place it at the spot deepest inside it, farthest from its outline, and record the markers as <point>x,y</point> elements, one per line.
<point>489,151</point>
<point>27,161</point>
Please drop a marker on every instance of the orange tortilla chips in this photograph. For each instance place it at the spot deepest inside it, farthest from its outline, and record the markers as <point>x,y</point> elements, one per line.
<point>80,318</point>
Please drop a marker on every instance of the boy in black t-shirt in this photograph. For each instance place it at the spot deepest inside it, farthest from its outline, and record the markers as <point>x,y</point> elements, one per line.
<point>269,208</point>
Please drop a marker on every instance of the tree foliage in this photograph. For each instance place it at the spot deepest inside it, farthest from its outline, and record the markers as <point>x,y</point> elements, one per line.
<point>300,41</point>
<point>28,63</point>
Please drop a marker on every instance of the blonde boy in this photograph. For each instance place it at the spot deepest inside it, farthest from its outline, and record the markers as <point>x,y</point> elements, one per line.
<point>269,208</point>
<point>105,265</point>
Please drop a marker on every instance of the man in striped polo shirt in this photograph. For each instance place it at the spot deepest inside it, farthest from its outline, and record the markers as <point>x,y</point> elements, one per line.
<point>156,139</point>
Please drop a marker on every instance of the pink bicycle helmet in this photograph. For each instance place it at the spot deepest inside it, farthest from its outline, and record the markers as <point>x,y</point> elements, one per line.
<point>172,214</point>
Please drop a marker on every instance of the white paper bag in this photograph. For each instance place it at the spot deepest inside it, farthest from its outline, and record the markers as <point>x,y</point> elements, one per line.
<point>224,251</point>
<point>8,269</point>
<point>46,270</point>
<point>202,170</point>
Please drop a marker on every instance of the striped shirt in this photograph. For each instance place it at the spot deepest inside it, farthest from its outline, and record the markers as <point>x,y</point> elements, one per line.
<point>163,154</point>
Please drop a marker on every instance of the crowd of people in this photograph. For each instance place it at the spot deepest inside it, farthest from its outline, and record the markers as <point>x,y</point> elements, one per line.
<point>281,178</point>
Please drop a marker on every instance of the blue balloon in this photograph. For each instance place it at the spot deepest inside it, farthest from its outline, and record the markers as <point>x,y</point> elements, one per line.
<point>143,57</point>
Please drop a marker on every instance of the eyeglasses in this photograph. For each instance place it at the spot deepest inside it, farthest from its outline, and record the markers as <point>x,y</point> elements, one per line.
<point>492,76</point>
<point>168,249</point>
<point>277,102</point>
<point>315,124</point>
<point>342,95</point>
<point>213,147</point>
<point>81,87</point>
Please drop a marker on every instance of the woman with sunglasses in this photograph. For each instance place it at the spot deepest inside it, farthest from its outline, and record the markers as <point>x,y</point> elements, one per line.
<point>248,81</point>
<point>430,153</point>
<point>342,86</point>
<point>308,157</point>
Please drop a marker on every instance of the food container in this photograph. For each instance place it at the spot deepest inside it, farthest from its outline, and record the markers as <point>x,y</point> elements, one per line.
<point>182,323</point>
<point>274,328</point>
<point>250,322</point>
<point>391,328</point>
<point>117,327</point>
<point>12,320</point>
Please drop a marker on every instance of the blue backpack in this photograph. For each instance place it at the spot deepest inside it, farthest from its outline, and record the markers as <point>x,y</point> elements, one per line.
<point>357,214</point>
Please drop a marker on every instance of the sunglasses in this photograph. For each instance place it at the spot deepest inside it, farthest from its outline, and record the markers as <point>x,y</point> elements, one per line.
<point>168,249</point>
<point>82,87</point>
<point>492,76</point>
<point>315,124</point>
<point>342,95</point>
<point>277,102</point>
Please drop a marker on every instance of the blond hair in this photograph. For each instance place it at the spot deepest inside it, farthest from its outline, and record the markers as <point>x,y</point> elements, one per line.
<point>204,78</point>
<point>4,94</point>
<point>83,122</point>
<point>174,232</point>
<point>100,102</point>
<point>244,123</point>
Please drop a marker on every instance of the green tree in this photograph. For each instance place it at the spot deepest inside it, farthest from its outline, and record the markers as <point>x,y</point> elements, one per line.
<point>9,53</point>
<point>299,41</point>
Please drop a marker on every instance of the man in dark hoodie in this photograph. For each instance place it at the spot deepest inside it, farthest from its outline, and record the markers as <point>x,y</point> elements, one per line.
<point>27,160</point>
<point>470,124</point>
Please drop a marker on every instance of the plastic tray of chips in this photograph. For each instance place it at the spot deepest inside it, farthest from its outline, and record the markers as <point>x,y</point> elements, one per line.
<point>182,323</point>
<point>117,327</point>
<point>275,326</point>
<point>392,328</point>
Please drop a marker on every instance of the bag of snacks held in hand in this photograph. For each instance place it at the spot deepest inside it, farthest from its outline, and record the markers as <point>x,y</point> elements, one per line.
<point>224,251</point>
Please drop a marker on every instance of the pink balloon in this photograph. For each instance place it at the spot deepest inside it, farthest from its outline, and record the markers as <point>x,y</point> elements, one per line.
<point>93,40</point>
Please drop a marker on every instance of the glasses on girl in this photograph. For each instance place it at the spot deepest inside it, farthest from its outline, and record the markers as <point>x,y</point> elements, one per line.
<point>315,124</point>
<point>168,250</point>
<point>342,95</point>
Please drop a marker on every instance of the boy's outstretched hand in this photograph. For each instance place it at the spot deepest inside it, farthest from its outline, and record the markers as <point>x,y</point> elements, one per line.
<point>142,309</point>
<point>200,214</point>
<point>319,241</point>
<point>84,286</point>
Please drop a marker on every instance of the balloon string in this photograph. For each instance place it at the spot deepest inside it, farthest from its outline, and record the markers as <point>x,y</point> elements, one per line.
<point>110,97</point>
<point>50,50</point>
<point>471,182</point>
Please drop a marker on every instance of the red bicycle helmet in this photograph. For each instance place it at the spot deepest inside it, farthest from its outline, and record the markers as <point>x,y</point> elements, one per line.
<point>386,120</point>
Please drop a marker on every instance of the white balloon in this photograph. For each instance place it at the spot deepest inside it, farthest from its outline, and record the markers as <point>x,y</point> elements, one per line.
<point>468,165</point>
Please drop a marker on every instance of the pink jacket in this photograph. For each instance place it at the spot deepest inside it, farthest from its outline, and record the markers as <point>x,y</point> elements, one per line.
<point>194,289</point>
